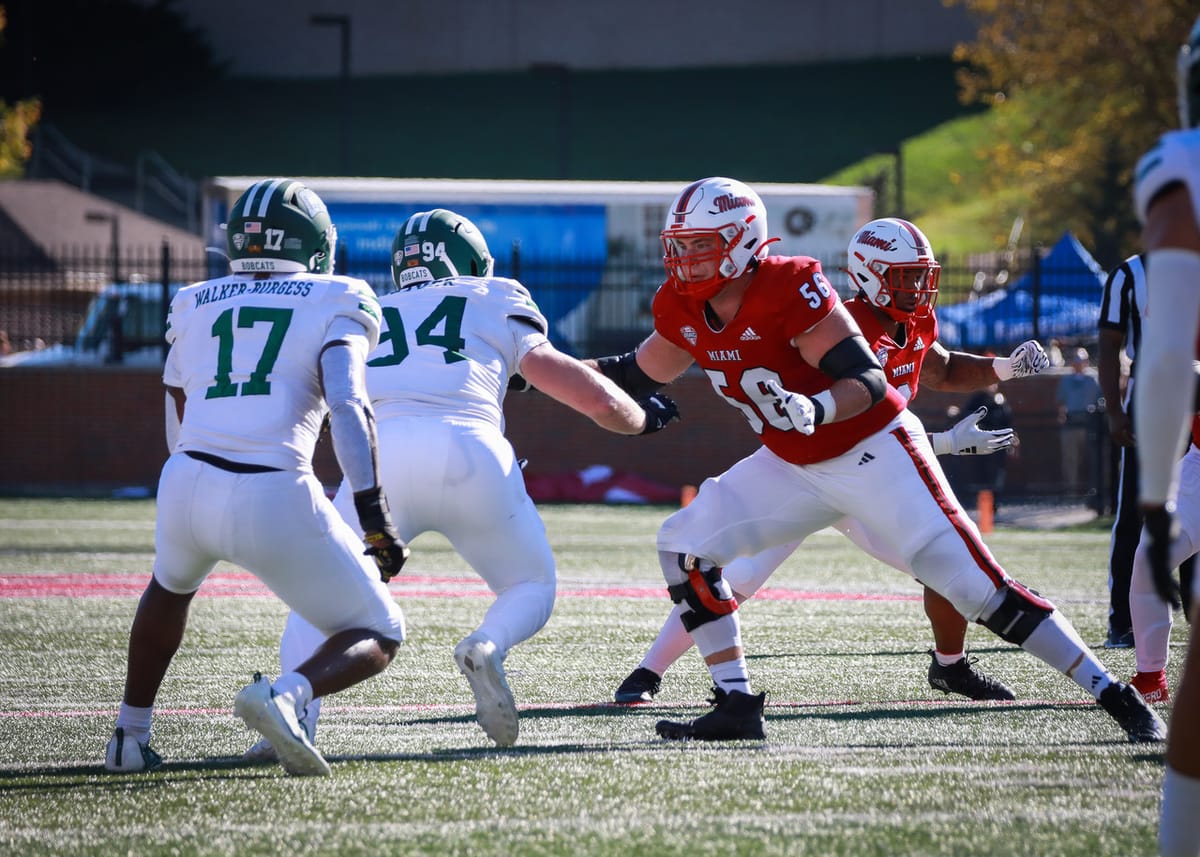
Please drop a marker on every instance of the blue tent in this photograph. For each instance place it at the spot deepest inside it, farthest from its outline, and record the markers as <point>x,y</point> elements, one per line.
<point>1066,287</point>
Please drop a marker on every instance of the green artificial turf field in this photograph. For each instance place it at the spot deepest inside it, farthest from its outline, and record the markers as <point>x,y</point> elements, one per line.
<point>862,757</point>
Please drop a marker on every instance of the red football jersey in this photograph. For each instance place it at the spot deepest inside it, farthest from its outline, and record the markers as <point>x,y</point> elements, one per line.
<point>901,361</point>
<point>787,296</point>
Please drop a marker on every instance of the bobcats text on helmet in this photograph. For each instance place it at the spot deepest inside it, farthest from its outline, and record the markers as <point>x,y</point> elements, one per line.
<point>892,262</point>
<point>716,230</point>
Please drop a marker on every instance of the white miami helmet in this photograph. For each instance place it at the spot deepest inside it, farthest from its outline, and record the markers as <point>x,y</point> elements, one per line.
<point>732,215</point>
<point>891,261</point>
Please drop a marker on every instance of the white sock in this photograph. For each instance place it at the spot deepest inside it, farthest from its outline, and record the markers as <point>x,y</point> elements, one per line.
<point>717,636</point>
<point>947,660</point>
<point>296,687</point>
<point>1179,823</point>
<point>135,721</point>
<point>731,675</point>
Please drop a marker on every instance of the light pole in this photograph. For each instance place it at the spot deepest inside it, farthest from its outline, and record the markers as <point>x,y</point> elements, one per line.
<point>116,334</point>
<point>342,22</point>
<point>114,246</point>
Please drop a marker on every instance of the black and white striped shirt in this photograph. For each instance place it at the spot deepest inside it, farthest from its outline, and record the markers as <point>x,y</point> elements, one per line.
<point>1121,308</point>
<point>1124,297</point>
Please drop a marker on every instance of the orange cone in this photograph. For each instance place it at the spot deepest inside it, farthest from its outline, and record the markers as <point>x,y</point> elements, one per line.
<point>985,502</point>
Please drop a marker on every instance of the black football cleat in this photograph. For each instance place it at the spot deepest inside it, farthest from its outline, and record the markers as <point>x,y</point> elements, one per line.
<point>639,686</point>
<point>1126,706</point>
<point>737,717</point>
<point>962,678</point>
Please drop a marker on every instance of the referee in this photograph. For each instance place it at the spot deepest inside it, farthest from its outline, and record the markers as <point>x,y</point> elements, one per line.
<point>1121,327</point>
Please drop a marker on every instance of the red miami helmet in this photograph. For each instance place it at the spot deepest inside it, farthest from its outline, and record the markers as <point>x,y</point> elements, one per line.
<point>726,210</point>
<point>891,261</point>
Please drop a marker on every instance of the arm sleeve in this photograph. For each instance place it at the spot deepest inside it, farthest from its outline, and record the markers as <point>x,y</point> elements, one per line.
<point>1161,414</point>
<point>351,420</point>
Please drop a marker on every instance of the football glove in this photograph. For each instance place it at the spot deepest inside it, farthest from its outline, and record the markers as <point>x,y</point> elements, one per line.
<point>518,384</point>
<point>384,544</point>
<point>1028,358</point>
<point>661,411</point>
<point>798,407</point>
<point>1161,529</point>
<point>967,438</point>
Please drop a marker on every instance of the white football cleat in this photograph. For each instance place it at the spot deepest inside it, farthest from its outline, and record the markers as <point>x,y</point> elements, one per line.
<point>125,755</point>
<point>274,717</point>
<point>262,751</point>
<point>495,709</point>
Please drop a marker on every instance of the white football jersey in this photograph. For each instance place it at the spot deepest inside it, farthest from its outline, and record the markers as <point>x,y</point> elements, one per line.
<point>246,352</point>
<point>449,347</point>
<point>1174,158</point>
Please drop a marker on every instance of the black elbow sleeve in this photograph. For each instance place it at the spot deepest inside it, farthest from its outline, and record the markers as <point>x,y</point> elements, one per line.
<point>852,358</point>
<point>623,370</point>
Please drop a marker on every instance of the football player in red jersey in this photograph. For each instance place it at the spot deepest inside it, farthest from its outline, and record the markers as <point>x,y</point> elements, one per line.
<point>777,344</point>
<point>892,263</point>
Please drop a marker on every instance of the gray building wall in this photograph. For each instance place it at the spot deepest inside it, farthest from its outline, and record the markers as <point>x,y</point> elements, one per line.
<point>398,37</point>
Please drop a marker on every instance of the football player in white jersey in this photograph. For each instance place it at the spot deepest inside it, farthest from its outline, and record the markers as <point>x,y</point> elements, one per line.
<point>453,336</point>
<point>258,358</point>
<point>1167,194</point>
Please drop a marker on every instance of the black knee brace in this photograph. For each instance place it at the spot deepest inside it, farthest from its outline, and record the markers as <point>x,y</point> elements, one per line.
<point>1019,613</point>
<point>704,591</point>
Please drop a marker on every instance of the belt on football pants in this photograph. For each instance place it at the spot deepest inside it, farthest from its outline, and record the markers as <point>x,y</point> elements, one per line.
<point>231,466</point>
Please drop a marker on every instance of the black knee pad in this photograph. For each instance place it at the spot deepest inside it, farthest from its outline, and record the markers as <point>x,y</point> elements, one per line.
<point>705,592</point>
<point>1019,613</point>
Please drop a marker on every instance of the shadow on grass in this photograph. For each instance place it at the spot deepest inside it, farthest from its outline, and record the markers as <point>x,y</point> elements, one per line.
<point>896,653</point>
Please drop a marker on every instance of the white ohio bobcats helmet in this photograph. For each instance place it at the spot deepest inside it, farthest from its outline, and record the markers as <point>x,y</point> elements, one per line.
<point>1188,79</point>
<point>732,216</point>
<point>891,261</point>
<point>280,225</point>
<point>434,245</point>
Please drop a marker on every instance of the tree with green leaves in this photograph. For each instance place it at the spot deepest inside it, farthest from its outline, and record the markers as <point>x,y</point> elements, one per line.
<point>16,121</point>
<point>1086,88</point>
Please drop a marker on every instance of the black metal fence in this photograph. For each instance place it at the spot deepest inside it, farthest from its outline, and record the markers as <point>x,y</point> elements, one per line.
<point>595,306</point>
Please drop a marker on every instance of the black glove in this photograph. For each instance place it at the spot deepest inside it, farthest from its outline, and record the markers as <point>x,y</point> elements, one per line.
<point>383,542</point>
<point>518,384</point>
<point>1161,529</point>
<point>661,410</point>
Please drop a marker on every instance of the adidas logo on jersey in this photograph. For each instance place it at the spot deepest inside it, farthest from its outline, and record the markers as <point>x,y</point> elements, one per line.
<point>749,335</point>
<point>919,345</point>
<point>866,459</point>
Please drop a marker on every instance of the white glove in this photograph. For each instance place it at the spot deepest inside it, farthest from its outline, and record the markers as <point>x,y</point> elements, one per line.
<point>798,407</point>
<point>967,438</point>
<point>1028,358</point>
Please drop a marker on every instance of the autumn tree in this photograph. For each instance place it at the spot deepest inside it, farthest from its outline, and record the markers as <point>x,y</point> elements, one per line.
<point>1087,88</point>
<point>16,121</point>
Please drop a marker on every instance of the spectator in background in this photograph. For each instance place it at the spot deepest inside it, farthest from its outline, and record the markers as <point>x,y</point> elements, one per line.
<point>1054,352</point>
<point>1078,401</point>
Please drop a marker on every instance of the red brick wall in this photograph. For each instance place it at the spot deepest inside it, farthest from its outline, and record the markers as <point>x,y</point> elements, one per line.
<point>97,429</point>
